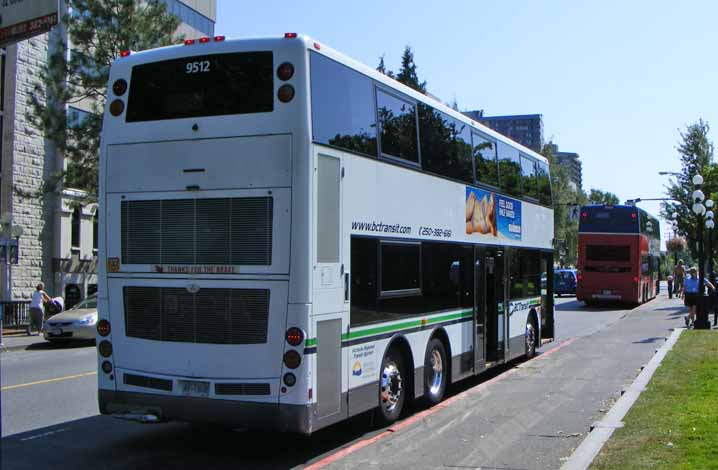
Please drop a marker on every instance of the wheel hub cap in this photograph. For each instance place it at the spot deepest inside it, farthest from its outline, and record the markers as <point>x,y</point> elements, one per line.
<point>391,386</point>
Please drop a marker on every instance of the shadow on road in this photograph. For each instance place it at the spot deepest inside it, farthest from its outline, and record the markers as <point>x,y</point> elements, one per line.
<point>47,345</point>
<point>101,442</point>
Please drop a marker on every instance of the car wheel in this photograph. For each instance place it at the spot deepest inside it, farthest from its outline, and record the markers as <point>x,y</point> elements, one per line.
<point>392,387</point>
<point>435,371</point>
<point>530,339</point>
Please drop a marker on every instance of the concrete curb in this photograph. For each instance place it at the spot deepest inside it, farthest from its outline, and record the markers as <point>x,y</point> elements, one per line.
<point>20,347</point>
<point>601,431</point>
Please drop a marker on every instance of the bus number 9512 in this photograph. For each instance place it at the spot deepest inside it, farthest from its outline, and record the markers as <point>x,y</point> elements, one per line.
<point>197,67</point>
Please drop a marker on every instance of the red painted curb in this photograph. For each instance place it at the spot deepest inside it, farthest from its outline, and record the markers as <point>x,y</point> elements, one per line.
<point>340,454</point>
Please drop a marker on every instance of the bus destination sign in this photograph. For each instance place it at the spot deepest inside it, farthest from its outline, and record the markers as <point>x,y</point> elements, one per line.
<point>23,19</point>
<point>195,269</point>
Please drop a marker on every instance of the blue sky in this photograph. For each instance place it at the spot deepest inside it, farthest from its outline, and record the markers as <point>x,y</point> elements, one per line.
<point>615,81</point>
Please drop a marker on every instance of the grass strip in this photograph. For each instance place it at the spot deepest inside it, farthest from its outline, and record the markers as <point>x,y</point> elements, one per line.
<point>674,423</point>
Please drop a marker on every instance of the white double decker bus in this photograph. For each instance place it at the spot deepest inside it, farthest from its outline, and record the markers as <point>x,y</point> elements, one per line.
<point>290,238</point>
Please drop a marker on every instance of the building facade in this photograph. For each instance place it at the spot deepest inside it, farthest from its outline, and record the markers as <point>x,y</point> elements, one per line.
<point>571,162</point>
<point>526,129</point>
<point>58,244</point>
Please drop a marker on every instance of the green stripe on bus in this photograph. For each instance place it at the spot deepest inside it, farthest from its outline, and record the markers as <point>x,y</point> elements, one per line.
<point>398,327</point>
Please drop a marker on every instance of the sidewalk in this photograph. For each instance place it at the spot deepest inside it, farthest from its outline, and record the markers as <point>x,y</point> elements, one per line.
<point>18,342</point>
<point>535,417</point>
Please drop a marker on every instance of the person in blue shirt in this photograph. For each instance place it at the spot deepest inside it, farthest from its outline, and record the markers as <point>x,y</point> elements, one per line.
<point>690,294</point>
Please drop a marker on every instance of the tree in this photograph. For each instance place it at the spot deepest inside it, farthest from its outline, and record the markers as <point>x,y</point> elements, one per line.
<point>696,157</point>
<point>407,74</point>
<point>596,196</point>
<point>98,31</point>
<point>565,196</point>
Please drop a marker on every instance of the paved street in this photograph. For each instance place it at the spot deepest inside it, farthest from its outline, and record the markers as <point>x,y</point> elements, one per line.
<point>528,417</point>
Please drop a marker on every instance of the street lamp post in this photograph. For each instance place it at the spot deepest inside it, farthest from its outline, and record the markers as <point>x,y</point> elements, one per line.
<point>709,225</point>
<point>700,210</point>
<point>674,225</point>
<point>9,253</point>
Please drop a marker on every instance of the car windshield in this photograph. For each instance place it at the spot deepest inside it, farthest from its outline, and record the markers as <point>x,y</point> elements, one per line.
<point>90,302</point>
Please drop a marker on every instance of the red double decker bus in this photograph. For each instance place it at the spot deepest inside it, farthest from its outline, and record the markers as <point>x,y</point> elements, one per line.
<point>618,255</point>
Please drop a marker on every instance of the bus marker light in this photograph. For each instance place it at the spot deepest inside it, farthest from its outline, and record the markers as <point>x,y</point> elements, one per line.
<point>188,42</point>
<point>103,327</point>
<point>633,215</point>
<point>284,389</point>
<point>285,93</point>
<point>105,348</point>
<point>117,107</point>
<point>125,53</point>
<point>219,38</point>
<point>204,39</point>
<point>584,214</point>
<point>289,379</point>
<point>295,336</point>
<point>292,359</point>
<point>317,46</point>
<point>424,321</point>
<point>310,393</point>
<point>107,367</point>
<point>285,71</point>
<point>290,35</point>
<point>119,87</point>
<point>635,279</point>
<point>113,265</point>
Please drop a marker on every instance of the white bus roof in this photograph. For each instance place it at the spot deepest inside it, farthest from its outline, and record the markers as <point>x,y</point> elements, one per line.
<point>181,50</point>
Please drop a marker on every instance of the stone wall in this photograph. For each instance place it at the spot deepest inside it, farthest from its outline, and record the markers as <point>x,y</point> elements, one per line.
<point>30,162</point>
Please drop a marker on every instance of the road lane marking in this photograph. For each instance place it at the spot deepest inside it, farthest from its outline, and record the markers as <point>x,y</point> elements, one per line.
<point>57,379</point>
<point>45,434</point>
<point>340,454</point>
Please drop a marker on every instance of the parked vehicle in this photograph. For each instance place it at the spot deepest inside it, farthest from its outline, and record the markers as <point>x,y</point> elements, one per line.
<point>77,323</point>
<point>564,282</point>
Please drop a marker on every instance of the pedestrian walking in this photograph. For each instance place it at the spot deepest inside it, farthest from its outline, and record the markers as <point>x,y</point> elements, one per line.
<point>670,286</point>
<point>679,274</point>
<point>37,311</point>
<point>690,295</point>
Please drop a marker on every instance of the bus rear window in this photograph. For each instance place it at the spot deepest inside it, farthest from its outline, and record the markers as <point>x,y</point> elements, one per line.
<point>608,253</point>
<point>208,85</point>
<point>609,219</point>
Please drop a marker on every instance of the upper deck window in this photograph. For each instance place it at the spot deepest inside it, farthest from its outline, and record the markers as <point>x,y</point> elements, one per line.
<point>397,118</point>
<point>208,85</point>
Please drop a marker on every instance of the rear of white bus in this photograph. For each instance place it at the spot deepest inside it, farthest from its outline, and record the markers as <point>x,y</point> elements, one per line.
<point>204,279</point>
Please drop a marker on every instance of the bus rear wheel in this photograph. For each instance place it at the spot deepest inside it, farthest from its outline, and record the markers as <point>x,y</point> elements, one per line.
<point>530,337</point>
<point>435,371</point>
<point>392,387</point>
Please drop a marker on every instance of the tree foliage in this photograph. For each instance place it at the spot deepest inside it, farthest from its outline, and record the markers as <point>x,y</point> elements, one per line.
<point>407,73</point>
<point>596,196</point>
<point>98,30</point>
<point>695,151</point>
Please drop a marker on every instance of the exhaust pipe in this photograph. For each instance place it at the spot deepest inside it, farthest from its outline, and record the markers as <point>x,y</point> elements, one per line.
<point>144,418</point>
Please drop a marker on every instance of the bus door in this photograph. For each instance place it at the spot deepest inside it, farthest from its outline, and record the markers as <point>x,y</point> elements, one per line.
<point>490,319</point>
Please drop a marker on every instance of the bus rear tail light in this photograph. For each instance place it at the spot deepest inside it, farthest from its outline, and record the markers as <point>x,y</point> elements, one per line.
<point>106,367</point>
<point>292,359</point>
<point>289,379</point>
<point>579,276</point>
<point>290,35</point>
<point>105,348</point>
<point>119,87</point>
<point>295,336</point>
<point>285,93</point>
<point>635,279</point>
<point>103,327</point>
<point>285,71</point>
<point>117,107</point>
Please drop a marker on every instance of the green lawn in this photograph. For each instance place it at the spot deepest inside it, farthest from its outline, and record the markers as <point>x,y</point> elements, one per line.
<point>674,423</point>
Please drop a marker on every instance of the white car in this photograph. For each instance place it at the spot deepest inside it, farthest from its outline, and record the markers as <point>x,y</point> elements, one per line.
<point>77,323</point>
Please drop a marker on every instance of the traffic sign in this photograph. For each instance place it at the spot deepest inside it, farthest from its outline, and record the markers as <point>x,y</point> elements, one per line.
<point>23,19</point>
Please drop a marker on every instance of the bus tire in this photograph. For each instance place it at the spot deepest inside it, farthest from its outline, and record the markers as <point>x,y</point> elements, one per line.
<point>435,371</point>
<point>393,383</point>
<point>530,337</point>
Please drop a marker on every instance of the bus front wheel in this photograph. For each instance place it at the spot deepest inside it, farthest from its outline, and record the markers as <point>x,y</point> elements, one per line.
<point>392,387</point>
<point>435,371</point>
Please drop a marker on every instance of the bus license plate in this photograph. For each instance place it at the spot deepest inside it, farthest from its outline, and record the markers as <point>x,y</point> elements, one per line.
<point>607,292</point>
<point>194,388</point>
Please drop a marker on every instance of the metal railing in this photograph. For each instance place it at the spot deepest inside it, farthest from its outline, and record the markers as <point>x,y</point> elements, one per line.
<point>16,313</point>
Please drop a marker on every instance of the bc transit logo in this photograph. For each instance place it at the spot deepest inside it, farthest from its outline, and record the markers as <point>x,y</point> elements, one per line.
<point>356,369</point>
